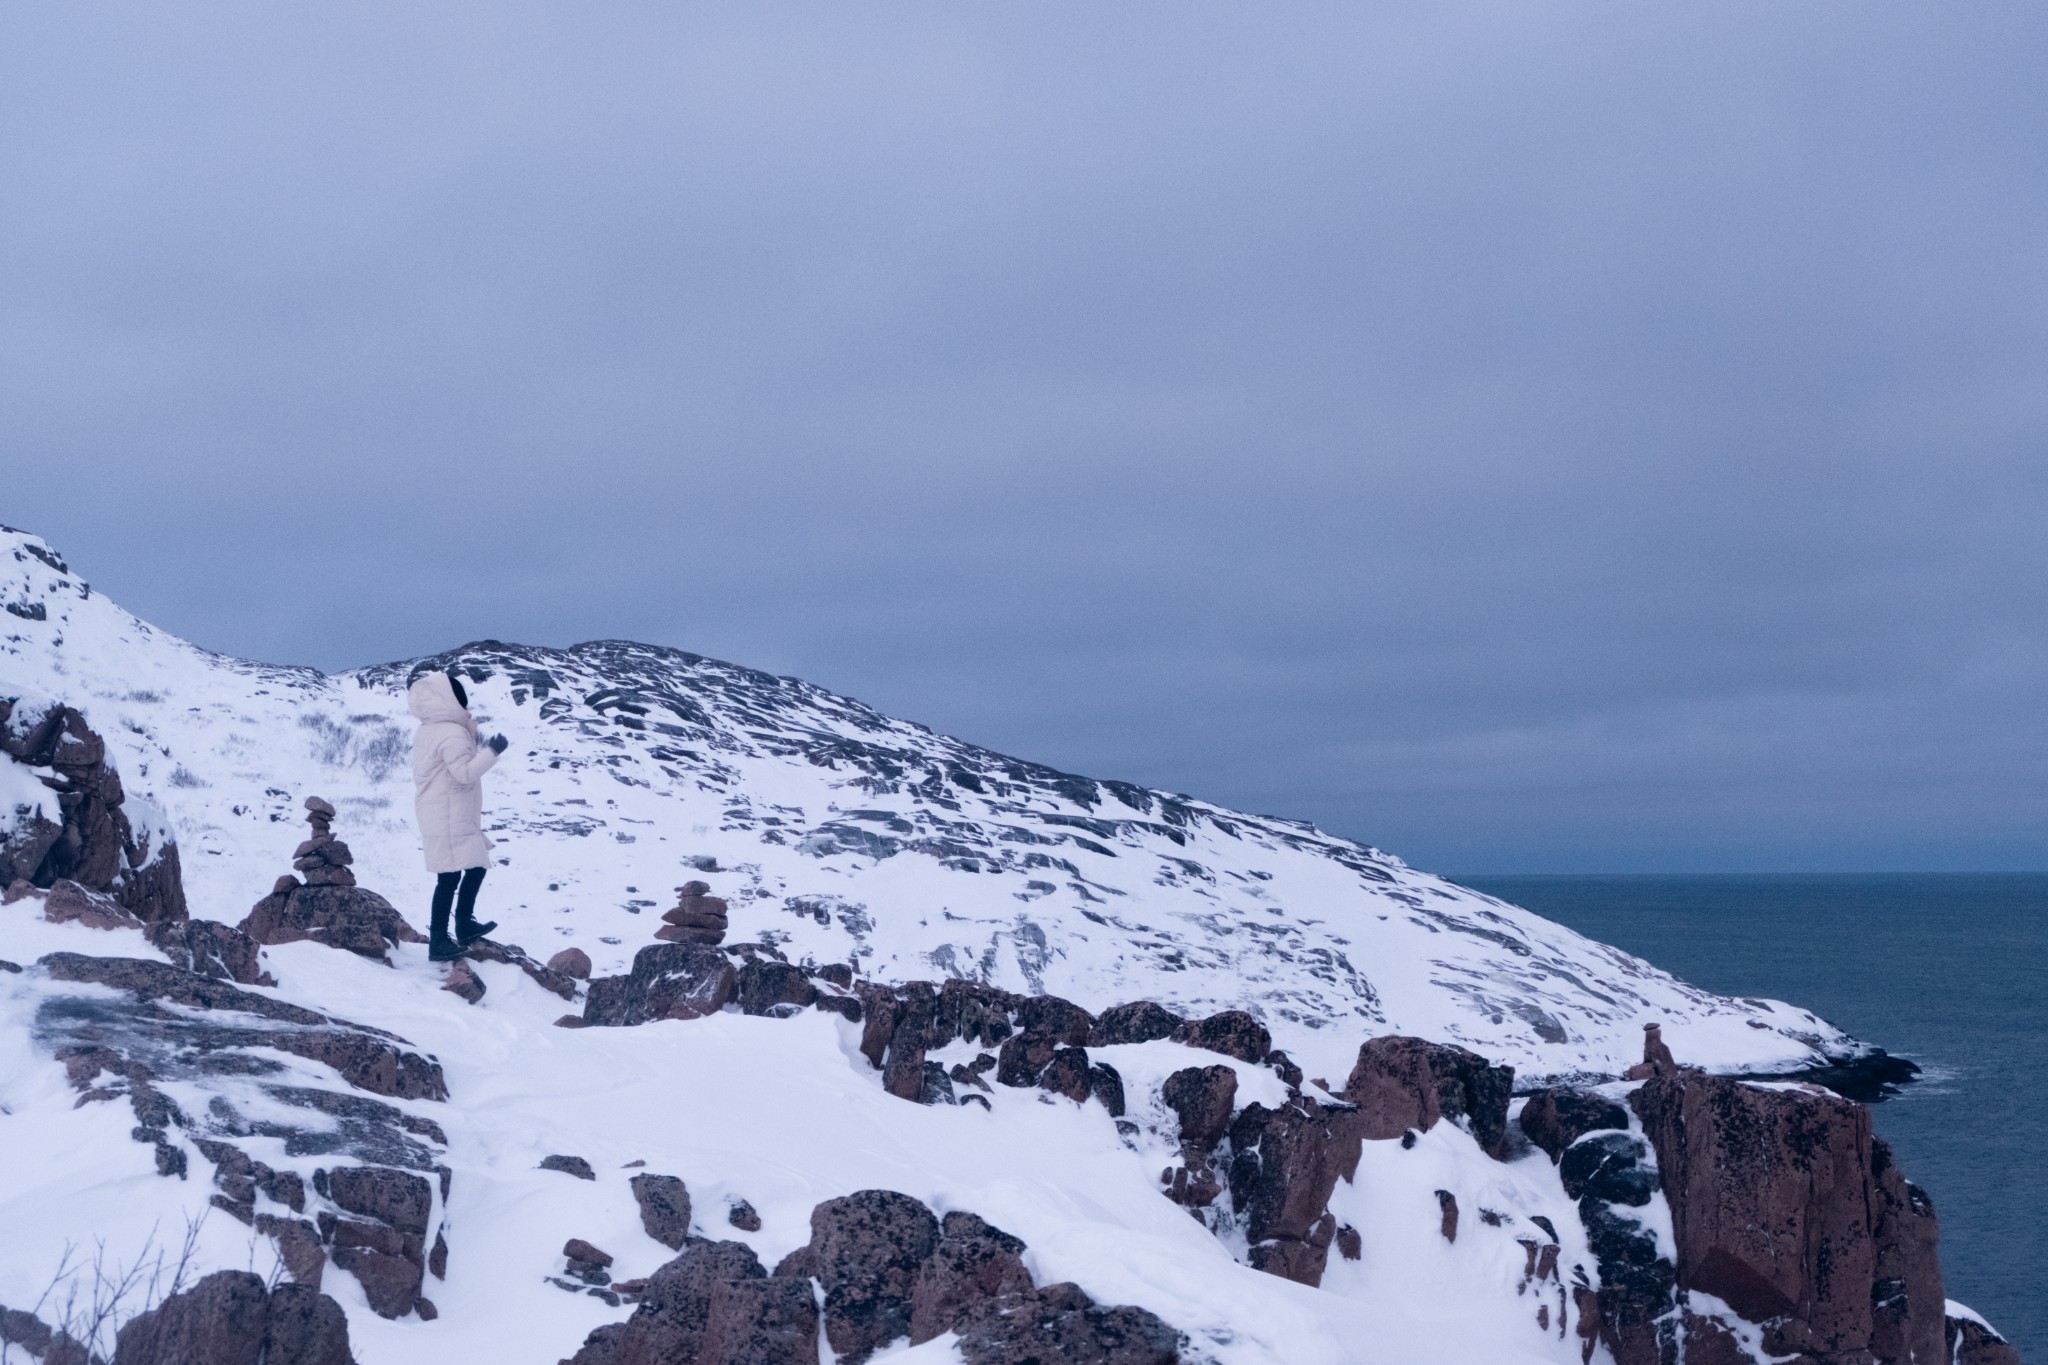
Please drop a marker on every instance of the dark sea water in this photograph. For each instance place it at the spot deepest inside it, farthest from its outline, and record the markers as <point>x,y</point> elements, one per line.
<point>1948,970</point>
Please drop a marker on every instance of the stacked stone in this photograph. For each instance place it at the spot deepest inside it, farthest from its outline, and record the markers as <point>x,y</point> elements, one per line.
<point>323,859</point>
<point>699,917</point>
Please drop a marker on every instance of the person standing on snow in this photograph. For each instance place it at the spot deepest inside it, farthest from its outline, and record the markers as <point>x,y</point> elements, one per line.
<point>448,765</point>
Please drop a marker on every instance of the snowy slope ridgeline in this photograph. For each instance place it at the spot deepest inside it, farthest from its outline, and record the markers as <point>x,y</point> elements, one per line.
<point>841,834</point>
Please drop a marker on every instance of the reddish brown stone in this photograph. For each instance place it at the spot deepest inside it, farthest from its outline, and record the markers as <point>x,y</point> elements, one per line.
<point>1203,1099</point>
<point>972,1263</point>
<point>571,962</point>
<point>1402,1083</point>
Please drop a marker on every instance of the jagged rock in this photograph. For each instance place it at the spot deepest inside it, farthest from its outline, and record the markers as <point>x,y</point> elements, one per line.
<point>1556,1118</point>
<point>1203,1099</point>
<point>571,962</point>
<point>210,948</point>
<point>1283,1066</point>
<point>866,1250</point>
<point>1402,1083</point>
<point>353,918</point>
<point>767,987</point>
<point>387,1255</point>
<point>1779,1201</point>
<point>1447,1209</point>
<point>1141,1021</point>
<point>29,1332</point>
<point>1232,1033</point>
<point>367,1058</point>
<point>664,1209</point>
<point>1971,1342</point>
<point>70,903</point>
<point>972,1263</point>
<point>568,1165</point>
<point>298,1246</point>
<point>391,1281</point>
<point>1060,1323</point>
<point>229,1318</point>
<point>1284,1165</point>
<point>668,981</point>
<point>974,1012</point>
<point>463,981</point>
<point>93,843</point>
<point>742,1215</point>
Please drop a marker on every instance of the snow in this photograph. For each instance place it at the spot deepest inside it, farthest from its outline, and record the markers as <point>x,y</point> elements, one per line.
<point>1102,894</point>
<point>847,835</point>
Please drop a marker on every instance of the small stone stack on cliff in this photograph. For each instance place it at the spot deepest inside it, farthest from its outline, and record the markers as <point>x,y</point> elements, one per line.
<point>699,917</point>
<point>327,907</point>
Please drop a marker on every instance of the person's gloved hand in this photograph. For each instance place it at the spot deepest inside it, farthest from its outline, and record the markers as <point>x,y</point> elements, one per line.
<point>497,744</point>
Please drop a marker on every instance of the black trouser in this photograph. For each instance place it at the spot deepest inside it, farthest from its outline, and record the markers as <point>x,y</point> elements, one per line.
<point>458,889</point>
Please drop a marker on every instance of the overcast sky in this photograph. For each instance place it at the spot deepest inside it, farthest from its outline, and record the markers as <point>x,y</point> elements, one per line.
<point>1525,437</point>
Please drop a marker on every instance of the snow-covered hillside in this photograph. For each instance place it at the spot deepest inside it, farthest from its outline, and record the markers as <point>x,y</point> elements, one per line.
<point>841,834</point>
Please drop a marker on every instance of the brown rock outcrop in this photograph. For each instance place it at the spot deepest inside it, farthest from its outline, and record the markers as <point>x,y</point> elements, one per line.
<point>1141,1021</point>
<point>972,1263</point>
<point>384,1245</point>
<point>664,1209</point>
<point>230,1318</point>
<point>1232,1033</point>
<point>1284,1165</point>
<point>92,842</point>
<point>1783,1205</point>
<point>1402,1083</point>
<point>1203,1099</point>
<point>1554,1119</point>
<point>571,962</point>
<point>1060,1323</point>
<point>667,981</point>
<point>211,948</point>
<point>866,1250</point>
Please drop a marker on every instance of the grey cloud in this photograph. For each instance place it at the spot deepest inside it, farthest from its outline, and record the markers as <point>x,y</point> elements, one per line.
<point>1594,437</point>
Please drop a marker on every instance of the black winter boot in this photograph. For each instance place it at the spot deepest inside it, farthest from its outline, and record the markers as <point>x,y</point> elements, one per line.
<point>468,931</point>
<point>441,948</point>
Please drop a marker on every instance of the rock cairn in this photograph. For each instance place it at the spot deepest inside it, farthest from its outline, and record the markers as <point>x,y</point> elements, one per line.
<point>322,860</point>
<point>699,917</point>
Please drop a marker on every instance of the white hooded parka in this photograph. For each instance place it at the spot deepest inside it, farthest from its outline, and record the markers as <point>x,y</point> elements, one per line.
<point>447,776</point>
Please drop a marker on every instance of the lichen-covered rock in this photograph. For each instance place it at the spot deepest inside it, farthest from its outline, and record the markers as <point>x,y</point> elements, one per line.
<point>865,1250</point>
<point>571,962</point>
<point>1401,1083</point>
<point>675,1309</point>
<point>1203,1099</point>
<point>230,1318</point>
<point>664,1209</point>
<point>668,981</point>
<point>1232,1033</point>
<point>972,1263</point>
<point>352,918</point>
<point>1061,1324</point>
<point>777,989</point>
<point>569,1165</point>
<point>1141,1021</point>
<point>760,1322</point>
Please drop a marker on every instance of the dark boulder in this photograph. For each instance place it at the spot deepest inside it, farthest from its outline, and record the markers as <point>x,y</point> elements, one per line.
<point>1067,1074</point>
<point>1232,1033</point>
<point>569,1165</point>
<point>668,981</point>
<point>387,1255</point>
<point>972,1263</point>
<point>1612,1167</point>
<point>1402,1083</point>
<point>1141,1021</point>
<point>1203,1099</point>
<point>1024,1058</point>
<point>664,1209</point>
<point>462,981</point>
<point>1049,1016</point>
<point>1972,1342</point>
<point>865,1250</point>
<point>1106,1084</point>
<point>1554,1119</point>
<point>1907,1300</point>
<point>512,955</point>
<point>1059,1323</point>
<point>768,987</point>
<point>743,1216</point>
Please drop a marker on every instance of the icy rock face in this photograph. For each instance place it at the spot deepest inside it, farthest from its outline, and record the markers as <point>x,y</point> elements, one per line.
<point>844,836</point>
